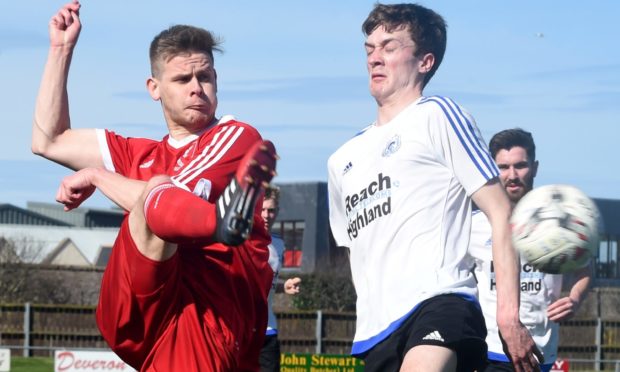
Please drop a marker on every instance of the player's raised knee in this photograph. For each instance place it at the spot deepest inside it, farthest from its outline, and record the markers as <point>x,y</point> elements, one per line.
<point>156,181</point>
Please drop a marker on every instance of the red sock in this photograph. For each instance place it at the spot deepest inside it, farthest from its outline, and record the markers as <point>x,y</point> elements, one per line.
<point>178,216</point>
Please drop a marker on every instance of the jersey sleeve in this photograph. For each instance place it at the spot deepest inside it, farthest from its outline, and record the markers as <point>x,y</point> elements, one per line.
<point>119,153</point>
<point>459,144</point>
<point>116,151</point>
<point>480,237</point>
<point>105,149</point>
<point>337,216</point>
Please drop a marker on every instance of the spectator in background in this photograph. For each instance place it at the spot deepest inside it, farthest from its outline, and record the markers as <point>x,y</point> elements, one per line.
<point>270,353</point>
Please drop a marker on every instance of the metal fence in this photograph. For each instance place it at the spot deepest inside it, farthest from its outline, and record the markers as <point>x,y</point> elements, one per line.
<point>589,344</point>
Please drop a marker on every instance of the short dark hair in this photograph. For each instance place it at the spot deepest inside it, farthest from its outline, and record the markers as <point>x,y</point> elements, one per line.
<point>272,192</point>
<point>509,138</point>
<point>426,28</point>
<point>181,39</point>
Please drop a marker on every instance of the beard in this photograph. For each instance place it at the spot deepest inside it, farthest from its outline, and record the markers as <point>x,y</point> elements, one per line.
<point>515,195</point>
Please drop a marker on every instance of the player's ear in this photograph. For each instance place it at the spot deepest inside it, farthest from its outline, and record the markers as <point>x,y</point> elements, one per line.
<point>152,85</point>
<point>426,63</point>
<point>534,168</point>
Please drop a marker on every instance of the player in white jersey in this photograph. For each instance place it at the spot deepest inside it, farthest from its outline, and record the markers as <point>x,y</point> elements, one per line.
<point>542,308</point>
<point>400,199</point>
<point>270,353</point>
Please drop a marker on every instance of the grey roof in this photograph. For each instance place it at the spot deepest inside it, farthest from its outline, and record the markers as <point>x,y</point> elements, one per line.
<point>15,215</point>
<point>89,241</point>
<point>81,217</point>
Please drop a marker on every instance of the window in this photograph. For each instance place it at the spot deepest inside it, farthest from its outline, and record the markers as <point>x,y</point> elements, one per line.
<point>607,265</point>
<point>292,232</point>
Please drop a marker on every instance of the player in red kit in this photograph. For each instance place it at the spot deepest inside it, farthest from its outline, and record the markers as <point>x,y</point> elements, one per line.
<point>195,305</point>
<point>186,285</point>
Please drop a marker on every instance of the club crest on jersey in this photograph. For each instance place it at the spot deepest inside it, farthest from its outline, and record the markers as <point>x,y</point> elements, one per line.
<point>392,146</point>
<point>203,188</point>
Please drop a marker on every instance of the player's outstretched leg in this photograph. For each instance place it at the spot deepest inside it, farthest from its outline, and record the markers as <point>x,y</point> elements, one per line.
<point>177,215</point>
<point>236,205</point>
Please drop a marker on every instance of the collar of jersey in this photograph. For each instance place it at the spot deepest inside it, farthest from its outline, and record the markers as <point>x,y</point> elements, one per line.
<point>177,144</point>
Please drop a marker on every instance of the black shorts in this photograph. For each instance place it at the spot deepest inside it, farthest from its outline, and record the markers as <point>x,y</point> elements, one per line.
<point>497,366</point>
<point>270,354</point>
<point>445,320</point>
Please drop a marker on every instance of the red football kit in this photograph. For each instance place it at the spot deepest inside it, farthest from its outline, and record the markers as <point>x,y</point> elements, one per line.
<point>205,308</point>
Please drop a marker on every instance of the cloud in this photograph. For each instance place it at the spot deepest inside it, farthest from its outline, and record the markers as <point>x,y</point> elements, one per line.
<point>17,39</point>
<point>473,98</point>
<point>308,128</point>
<point>302,89</point>
<point>141,95</point>
<point>602,100</point>
<point>583,72</point>
<point>595,102</point>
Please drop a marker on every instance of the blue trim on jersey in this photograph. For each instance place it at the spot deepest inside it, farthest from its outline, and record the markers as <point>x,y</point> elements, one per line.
<point>490,162</point>
<point>469,131</point>
<point>271,332</point>
<point>362,131</point>
<point>361,347</point>
<point>463,128</point>
<point>499,357</point>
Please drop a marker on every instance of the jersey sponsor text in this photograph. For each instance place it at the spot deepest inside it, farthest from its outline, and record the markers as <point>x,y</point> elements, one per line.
<point>531,278</point>
<point>366,206</point>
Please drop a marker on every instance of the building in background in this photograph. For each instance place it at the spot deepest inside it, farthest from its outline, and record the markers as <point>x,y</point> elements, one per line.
<point>83,237</point>
<point>46,234</point>
<point>607,263</point>
<point>79,217</point>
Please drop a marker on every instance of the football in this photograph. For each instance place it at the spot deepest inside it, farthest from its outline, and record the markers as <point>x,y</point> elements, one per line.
<point>555,228</point>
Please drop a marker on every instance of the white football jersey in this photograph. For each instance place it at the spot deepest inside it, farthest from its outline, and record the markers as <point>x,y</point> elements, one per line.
<point>537,291</point>
<point>399,199</point>
<point>276,250</point>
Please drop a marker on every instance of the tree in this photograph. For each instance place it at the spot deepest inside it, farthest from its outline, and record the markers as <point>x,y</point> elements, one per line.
<point>21,279</point>
<point>328,289</point>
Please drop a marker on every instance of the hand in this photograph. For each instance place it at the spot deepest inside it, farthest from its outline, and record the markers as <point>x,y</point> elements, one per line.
<point>520,348</point>
<point>291,286</point>
<point>562,309</point>
<point>65,26</point>
<point>74,189</point>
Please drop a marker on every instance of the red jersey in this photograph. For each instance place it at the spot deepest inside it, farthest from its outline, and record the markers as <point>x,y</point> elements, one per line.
<point>204,308</point>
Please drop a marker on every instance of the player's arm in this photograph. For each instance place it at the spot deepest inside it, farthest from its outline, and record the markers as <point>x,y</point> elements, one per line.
<point>76,188</point>
<point>52,136</point>
<point>492,200</point>
<point>566,307</point>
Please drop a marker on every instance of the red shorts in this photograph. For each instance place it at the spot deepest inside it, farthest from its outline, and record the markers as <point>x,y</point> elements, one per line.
<point>205,308</point>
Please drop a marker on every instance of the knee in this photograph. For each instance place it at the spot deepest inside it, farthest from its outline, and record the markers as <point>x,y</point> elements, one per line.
<point>150,186</point>
<point>154,182</point>
<point>147,191</point>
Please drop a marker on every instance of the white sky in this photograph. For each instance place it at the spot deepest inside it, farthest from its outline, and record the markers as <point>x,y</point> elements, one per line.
<point>296,71</point>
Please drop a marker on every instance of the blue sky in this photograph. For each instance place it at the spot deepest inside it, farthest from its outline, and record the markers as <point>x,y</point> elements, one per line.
<point>296,71</point>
